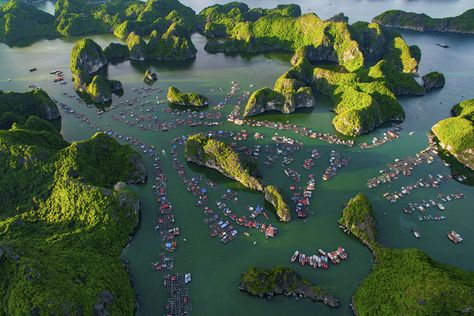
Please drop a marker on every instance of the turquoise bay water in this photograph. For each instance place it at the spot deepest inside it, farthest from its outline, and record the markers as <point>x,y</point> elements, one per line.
<point>216,267</point>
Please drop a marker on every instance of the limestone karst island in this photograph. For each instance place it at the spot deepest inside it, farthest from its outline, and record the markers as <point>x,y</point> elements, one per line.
<point>191,157</point>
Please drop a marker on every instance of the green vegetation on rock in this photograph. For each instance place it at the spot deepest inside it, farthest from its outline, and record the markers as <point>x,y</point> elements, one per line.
<point>221,18</point>
<point>281,280</point>
<point>87,60</point>
<point>404,281</point>
<point>400,83</point>
<point>20,21</point>
<point>62,225</point>
<point>465,109</point>
<point>358,218</point>
<point>456,134</point>
<point>275,32</point>
<point>274,197</point>
<point>433,80</point>
<point>116,53</point>
<point>17,107</point>
<point>292,90</point>
<point>212,153</point>
<point>463,23</point>
<point>171,45</point>
<point>400,54</point>
<point>361,103</point>
<point>100,89</point>
<point>175,97</point>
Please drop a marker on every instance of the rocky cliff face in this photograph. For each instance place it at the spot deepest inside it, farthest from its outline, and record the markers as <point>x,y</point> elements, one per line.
<point>264,100</point>
<point>87,58</point>
<point>100,90</point>
<point>433,80</point>
<point>274,197</point>
<point>324,52</point>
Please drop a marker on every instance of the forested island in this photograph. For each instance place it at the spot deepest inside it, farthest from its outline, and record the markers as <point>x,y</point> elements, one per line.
<point>176,97</point>
<point>282,281</point>
<point>21,21</point>
<point>66,214</point>
<point>463,23</point>
<point>456,134</point>
<point>433,288</point>
<point>215,154</point>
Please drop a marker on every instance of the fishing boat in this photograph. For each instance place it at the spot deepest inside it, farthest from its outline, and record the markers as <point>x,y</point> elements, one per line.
<point>416,233</point>
<point>295,256</point>
<point>454,237</point>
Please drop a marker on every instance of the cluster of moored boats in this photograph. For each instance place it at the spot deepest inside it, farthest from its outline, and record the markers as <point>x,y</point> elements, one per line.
<point>388,136</point>
<point>335,163</point>
<point>321,259</point>
<point>424,205</point>
<point>405,165</point>
<point>432,181</point>
<point>58,76</point>
<point>220,227</point>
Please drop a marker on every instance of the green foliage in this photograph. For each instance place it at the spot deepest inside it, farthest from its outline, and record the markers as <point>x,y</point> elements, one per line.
<point>400,83</point>
<point>61,226</point>
<point>20,21</point>
<point>34,123</point>
<point>100,89</point>
<point>371,38</point>
<point>260,281</point>
<point>291,90</point>
<point>17,107</point>
<point>408,282</point>
<point>465,109</point>
<point>79,17</point>
<point>433,80</point>
<point>87,58</point>
<point>116,52</point>
<point>361,102</point>
<point>400,54</point>
<point>175,97</point>
<point>209,151</point>
<point>174,44</point>
<point>75,24</point>
<point>463,23</point>
<point>221,18</point>
<point>358,218</point>
<point>288,33</point>
<point>274,196</point>
<point>456,135</point>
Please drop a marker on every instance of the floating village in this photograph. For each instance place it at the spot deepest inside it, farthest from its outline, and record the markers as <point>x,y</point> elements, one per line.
<point>229,216</point>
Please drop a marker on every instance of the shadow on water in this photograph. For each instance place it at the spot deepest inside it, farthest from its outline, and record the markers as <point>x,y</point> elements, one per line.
<point>142,66</point>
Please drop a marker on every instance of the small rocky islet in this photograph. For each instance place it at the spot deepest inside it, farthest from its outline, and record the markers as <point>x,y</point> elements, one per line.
<point>282,281</point>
